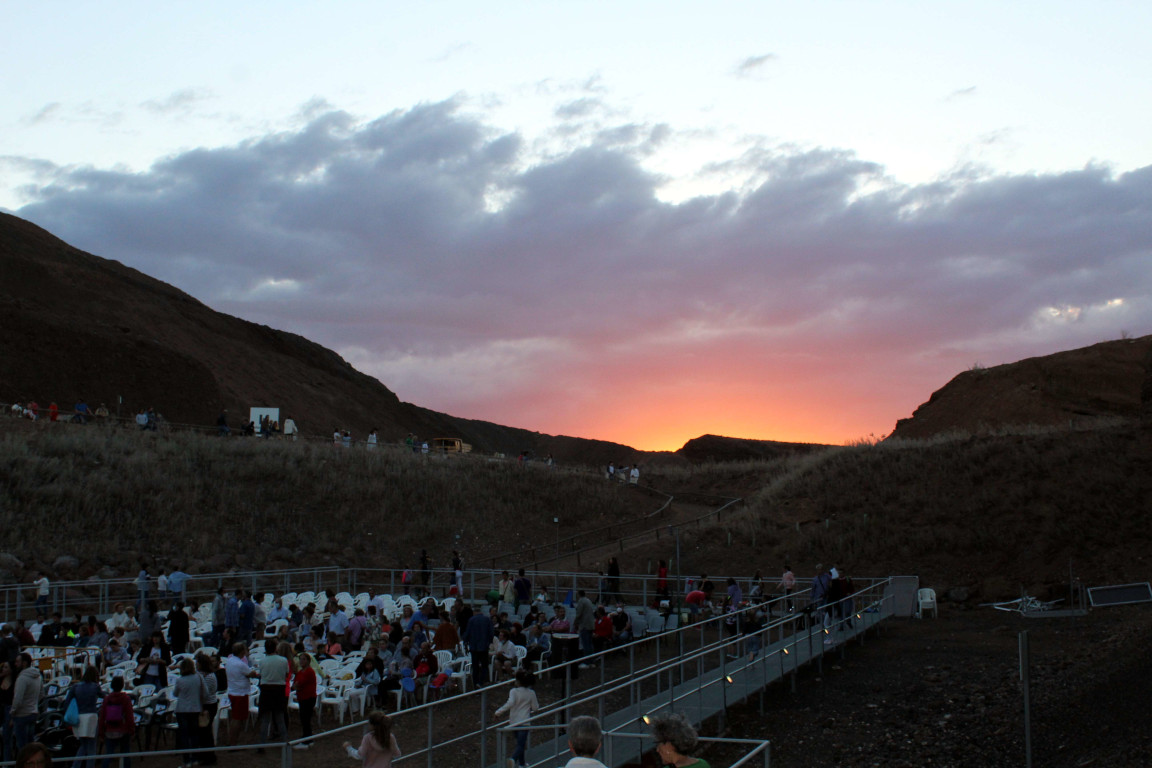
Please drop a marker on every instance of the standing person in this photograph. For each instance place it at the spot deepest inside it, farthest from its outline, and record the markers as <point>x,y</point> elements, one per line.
<point>735,594</point>
<point>378,748</point>
<point>522,702</point>
<point>206,668</point>
<point>584,737</point>
<point>273,703</point>
<point>305,683</point>
<point>176,582</point>
<point>662,579</point>
<point>245,618</point>
<point>371,442</point>
<point>238,671</point>
<point>219,617</point>
<point>87,696</point>
<point>117,722</point>
<point>142,581</point>
<point>506,590</point>
<point>522,587</point>
<point>788,583</point>
<point>42,590</point>
<point>477,637</point>
<point>458,572</point>
<point>155,657</point>
<point>425,570</point>
<point>7,689</point>
<point>178,628</point>
<point>614,577</point>
<point>25,701</point>
<point>191,693</point>
<point>162,585</point>
<point>584,622</point>
<point>675,740</point>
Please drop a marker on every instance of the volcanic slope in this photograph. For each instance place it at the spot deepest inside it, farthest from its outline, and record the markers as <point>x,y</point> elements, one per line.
<point>81,326</point>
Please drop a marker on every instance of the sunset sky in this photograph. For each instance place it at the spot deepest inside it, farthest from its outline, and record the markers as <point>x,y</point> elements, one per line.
<point>639,222</point>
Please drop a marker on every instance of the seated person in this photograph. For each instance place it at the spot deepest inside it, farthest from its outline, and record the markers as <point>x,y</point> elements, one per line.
<point>539,643</point>
<point>114,653</point>
<point>517,636</point>
<point>560,623</point>
<point>622,626</point>
<point>369,679</point>
<point>425,663</point>
<point>503,653</point>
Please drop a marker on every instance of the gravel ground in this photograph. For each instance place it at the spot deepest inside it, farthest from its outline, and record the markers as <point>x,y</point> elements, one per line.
<point>947,692</point>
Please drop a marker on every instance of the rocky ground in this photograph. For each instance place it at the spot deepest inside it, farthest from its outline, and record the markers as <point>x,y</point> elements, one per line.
<point>947,692</point>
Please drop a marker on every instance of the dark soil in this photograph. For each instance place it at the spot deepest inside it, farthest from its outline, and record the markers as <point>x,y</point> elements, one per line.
<point>947,692</point>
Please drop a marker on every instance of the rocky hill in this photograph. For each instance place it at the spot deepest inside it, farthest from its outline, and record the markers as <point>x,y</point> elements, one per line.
<point>81,326</point>
<point>1073,388</point>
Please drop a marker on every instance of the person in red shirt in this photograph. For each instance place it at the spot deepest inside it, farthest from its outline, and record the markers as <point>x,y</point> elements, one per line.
<point>305,683</point>
<point>602,630</point>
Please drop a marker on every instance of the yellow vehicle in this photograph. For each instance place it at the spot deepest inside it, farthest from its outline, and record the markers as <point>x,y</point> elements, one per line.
<point>450,445</point>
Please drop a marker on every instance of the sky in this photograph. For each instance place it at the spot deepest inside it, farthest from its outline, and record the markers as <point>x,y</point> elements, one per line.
<point>640,222</point>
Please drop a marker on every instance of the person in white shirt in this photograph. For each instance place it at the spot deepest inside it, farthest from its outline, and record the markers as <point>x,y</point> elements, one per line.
<point>503,652</point>
<point>522,702</point>
<point>584,737</point>
<point>42,591</point>
<point>238,671</point>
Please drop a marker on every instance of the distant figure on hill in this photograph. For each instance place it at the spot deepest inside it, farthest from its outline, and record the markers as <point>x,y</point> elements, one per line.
<point>142,419</point>
<point>53,411</point>
<point>290,429</point>
<point>102,413</point>
<point>222,424</point>
<point>337,437</point>
<point>611,473</point>
<point>634,475</point>
<point>81,413</point>
<point>371,442</point>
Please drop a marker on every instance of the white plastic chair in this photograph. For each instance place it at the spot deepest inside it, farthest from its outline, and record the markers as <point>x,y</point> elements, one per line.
<point>335,695</point>
<point>926,600</point>
<point>407,689</point>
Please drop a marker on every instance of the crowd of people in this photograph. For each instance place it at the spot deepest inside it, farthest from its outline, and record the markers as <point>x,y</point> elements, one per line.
<point>497,639</point>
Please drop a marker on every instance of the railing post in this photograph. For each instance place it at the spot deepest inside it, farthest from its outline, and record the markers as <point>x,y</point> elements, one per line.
<point>483,727</point>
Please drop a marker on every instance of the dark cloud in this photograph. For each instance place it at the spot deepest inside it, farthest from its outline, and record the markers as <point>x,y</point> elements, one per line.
<point>429,248</point>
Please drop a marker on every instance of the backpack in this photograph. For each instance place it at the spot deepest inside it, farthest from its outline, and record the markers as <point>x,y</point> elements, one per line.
<point>113,715</point>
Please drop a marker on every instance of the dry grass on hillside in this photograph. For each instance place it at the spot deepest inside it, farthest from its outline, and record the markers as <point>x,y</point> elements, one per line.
<point>993,513</point>
<point>105,495</point>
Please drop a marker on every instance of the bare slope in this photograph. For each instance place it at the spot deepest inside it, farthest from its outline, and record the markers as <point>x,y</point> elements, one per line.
<point>1113,378</point>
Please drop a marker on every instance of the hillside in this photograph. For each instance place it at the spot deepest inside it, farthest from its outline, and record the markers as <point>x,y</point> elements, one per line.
<point>987,514</point>
<point>81,326</point>
<point>1106,380</point>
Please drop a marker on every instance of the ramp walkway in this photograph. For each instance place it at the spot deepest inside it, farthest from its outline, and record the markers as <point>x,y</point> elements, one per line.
<point>703,682</point>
